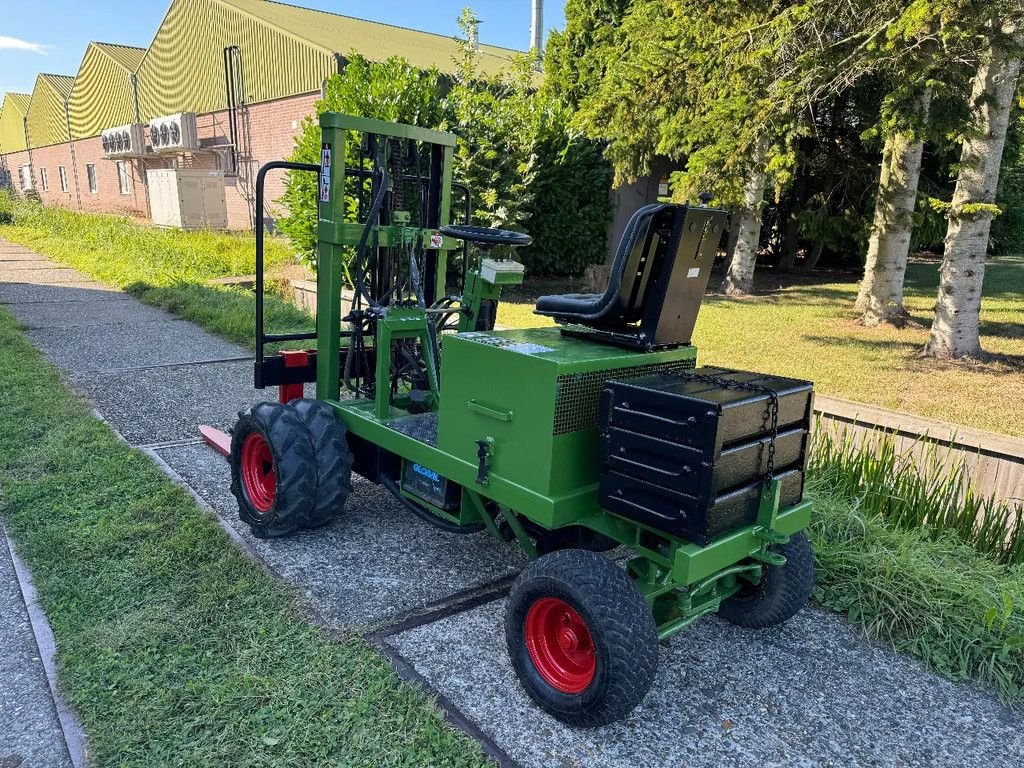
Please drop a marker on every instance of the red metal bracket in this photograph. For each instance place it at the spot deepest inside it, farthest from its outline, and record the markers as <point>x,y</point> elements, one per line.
<point>293,358</point>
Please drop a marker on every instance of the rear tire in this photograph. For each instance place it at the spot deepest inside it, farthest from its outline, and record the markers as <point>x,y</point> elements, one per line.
<point>581,638</point>
<point>782,592</point>
<point>273,472</point>
<point>333,460</point>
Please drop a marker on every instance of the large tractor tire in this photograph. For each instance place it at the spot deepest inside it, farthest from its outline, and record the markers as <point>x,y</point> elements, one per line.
<point>781,593</point>
<point>273,470</point>
<point>333,460</point>
<point>581,638</point>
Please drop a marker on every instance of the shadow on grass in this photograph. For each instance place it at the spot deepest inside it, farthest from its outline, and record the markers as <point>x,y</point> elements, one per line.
<point>848,342</point>
<point>1004,330</point>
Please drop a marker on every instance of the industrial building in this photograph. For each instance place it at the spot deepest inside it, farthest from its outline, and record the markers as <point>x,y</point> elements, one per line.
<point>222,89</point>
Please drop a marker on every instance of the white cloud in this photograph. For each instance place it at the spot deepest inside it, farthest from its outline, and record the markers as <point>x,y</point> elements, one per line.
<point>14,44</point>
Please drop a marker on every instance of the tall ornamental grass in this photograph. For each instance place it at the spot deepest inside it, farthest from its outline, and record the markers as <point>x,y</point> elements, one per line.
<point>921,486</point>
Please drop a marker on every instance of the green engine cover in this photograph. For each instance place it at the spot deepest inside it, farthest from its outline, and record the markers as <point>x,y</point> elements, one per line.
<point>533,394</point>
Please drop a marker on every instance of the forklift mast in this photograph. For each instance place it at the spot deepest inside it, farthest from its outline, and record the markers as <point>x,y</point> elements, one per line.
<point>383,192</point>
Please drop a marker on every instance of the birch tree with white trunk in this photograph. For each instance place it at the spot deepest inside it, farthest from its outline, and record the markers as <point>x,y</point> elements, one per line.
<point>739,278</point>
<point>955,329</point>
<point>880,299</point>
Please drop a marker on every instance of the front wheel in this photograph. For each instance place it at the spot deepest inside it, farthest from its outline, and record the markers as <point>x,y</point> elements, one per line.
<point>782,591</point>
<point>581,638</point>
<point>273,470</point>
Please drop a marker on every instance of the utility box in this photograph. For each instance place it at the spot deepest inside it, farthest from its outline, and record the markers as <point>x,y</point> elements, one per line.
<point>187,198</point>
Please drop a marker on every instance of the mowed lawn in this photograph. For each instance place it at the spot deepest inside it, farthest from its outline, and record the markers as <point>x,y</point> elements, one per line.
<point>808,331</point>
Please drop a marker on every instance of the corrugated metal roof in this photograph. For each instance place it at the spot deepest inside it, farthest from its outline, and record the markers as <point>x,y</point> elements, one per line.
<point>102,93</point>
<point>286,50</point>
<point>19,100</point>
<point>374,40</point>
<point>47,120</point>
<point>183,70</point>
<point>62,84</point>
<point>12,122</point>
<point>126,56</point>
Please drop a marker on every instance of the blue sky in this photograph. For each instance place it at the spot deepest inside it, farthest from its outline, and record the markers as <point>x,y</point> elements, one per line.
<point>51,35</point>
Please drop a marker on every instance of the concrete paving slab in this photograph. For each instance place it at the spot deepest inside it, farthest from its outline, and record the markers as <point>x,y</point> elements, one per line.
<point>810,693</point>
<point>30,731</point>
<point>372,565</point>
<point>25,293</point>
<point>41,275</point>
<point>161,405</point>
<point>118,346</point>
<point>84,313</point>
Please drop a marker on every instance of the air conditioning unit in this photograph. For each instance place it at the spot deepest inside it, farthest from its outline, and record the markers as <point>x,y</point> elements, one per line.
<point>174,133</point>
<point>124,141</point>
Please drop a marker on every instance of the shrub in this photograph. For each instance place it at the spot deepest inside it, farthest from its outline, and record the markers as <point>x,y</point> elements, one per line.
<point>570,206</point>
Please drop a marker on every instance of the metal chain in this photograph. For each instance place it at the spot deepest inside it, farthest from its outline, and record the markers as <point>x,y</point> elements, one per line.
<point>771,411</point>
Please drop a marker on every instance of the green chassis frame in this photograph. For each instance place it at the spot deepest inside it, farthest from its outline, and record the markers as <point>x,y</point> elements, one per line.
<point>680,580</point>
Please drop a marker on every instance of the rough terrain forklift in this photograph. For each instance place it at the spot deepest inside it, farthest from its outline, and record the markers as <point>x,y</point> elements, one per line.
<point>596,435</point>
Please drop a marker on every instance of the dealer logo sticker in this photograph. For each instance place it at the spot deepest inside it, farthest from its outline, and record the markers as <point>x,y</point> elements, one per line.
<point>436,241</point>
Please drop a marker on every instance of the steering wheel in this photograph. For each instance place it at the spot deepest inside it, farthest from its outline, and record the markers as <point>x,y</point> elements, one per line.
<point>486,235</point>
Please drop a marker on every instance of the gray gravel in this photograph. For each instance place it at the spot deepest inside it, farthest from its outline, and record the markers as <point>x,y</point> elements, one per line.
<point>131,344</point>
<point>811,693</point>
<point>30,733</point>
<point>375,563</point>
<point>107,311</point>
<point>21,292</point>
<point>17,266</point>
<point>160,405</point>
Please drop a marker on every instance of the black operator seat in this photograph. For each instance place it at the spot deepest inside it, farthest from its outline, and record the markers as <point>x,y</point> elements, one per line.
<point>656,284</point>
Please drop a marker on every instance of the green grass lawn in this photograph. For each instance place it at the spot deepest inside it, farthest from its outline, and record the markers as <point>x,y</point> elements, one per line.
<point>174,647</point>
<point>808,331</point>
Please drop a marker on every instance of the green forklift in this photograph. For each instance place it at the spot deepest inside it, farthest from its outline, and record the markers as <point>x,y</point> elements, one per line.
<point>646,491</point>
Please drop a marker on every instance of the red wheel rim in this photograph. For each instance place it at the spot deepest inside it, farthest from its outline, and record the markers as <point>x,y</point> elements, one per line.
<point>258,472</point>
<point>560,645</point>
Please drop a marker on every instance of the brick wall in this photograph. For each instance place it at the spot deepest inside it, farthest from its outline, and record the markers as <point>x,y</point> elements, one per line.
<point>267,132</point>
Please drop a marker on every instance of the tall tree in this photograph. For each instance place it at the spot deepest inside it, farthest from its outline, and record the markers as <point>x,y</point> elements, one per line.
<point>955,329</point>
<point>575,58</point>
<point>880,299</point>
<point>700,82</point>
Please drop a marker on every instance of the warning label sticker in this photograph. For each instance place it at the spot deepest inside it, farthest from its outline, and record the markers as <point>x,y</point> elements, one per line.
<point>325,173</point>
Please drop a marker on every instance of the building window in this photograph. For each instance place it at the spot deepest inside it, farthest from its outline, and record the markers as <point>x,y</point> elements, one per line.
<point>25,172</point>
<point>90,174</point>
<point>124,179</point>
<point>44,180</point>
<point>63,174</point>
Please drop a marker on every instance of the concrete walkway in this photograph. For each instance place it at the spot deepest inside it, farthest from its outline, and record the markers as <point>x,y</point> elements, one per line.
<point>812,693</point>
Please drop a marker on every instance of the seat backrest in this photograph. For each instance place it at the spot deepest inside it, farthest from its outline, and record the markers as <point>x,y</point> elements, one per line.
<point>671,305</point>
<point>632,250</point>
<point>653,235</point>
